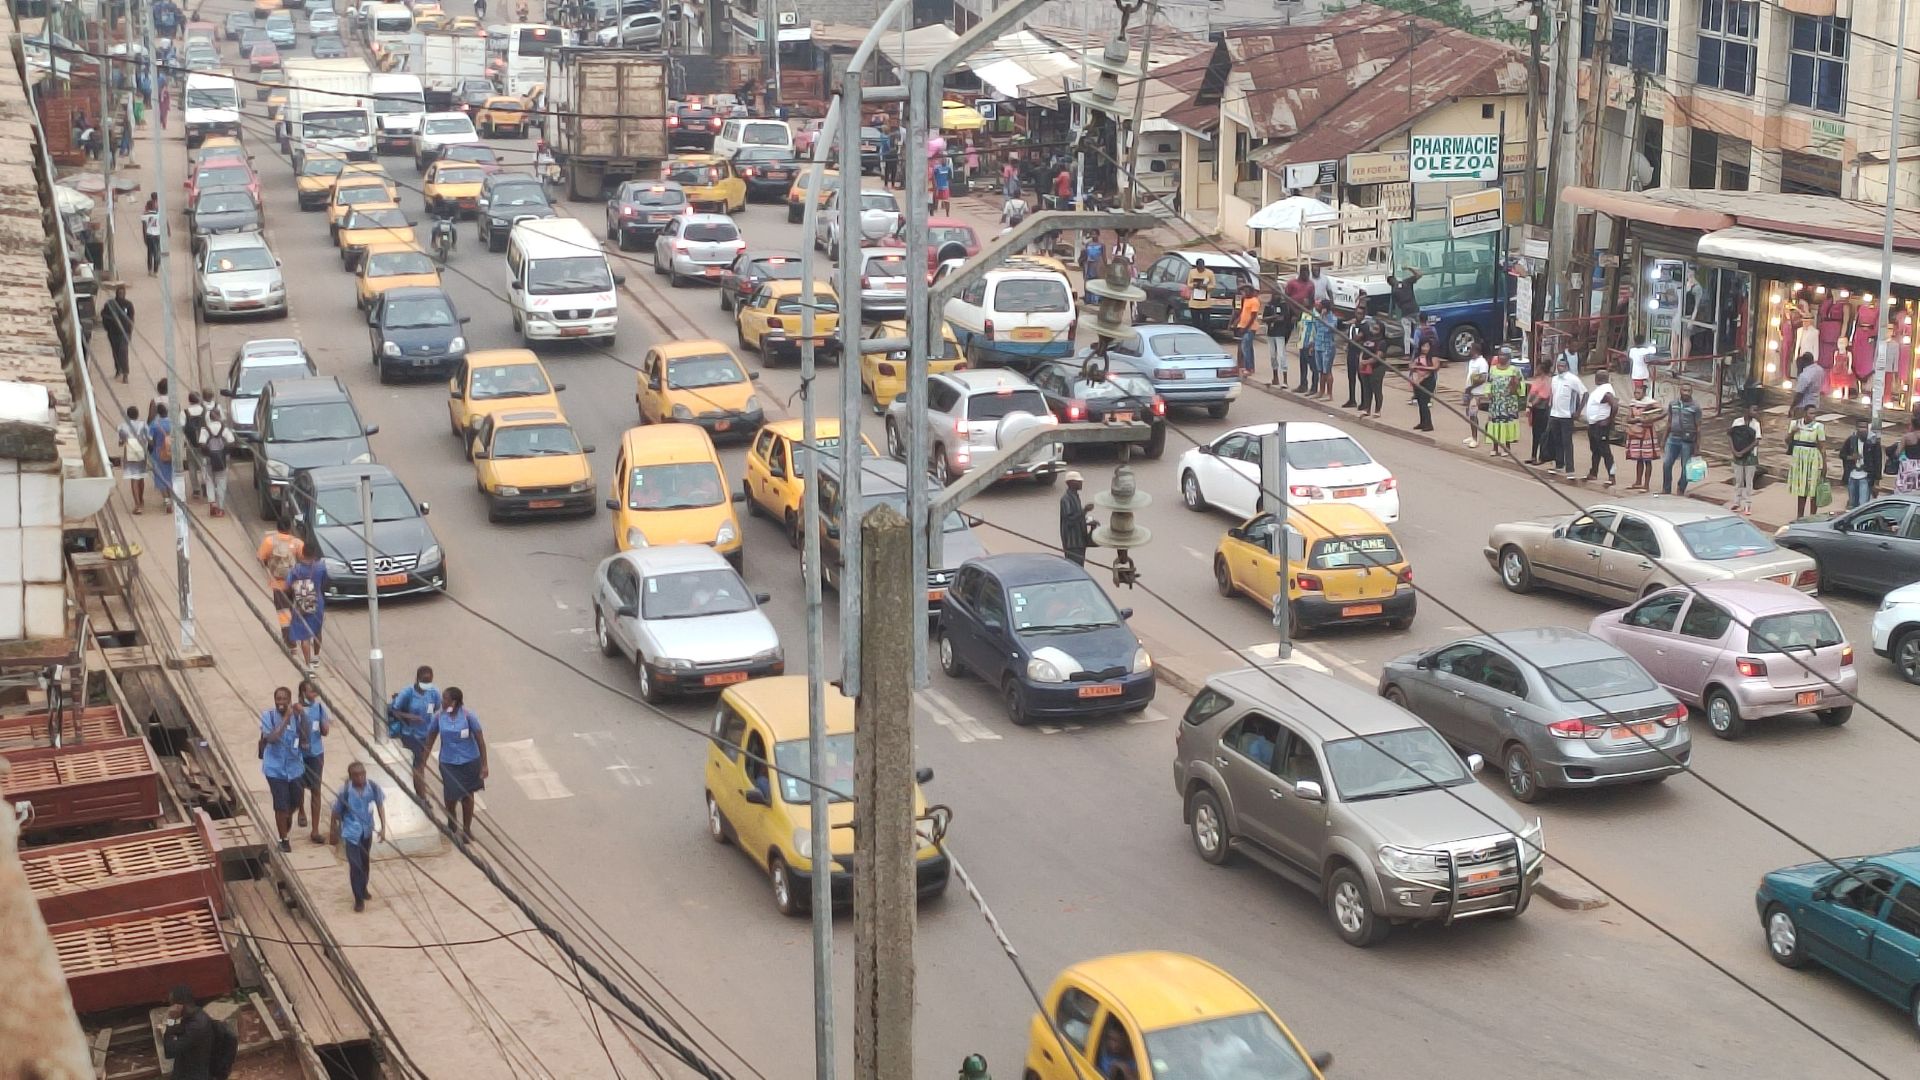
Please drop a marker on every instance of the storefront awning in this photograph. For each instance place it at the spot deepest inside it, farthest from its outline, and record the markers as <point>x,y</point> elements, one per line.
<point>1834,257</point>
<point>918,47</point>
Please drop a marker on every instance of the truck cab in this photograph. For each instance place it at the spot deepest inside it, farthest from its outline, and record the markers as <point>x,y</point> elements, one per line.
<point>1460,285</point>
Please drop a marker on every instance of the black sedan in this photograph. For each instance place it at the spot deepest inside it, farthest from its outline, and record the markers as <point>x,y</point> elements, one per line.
<point>1872,550</point>
<point>415,332</point>
<point>406,556</point>
<point>328,48</point>
<point>222,210</point>
<point>1080,390</point>
<point>768,171</point>
<point>753,266</point>
<point>640,209</point>
<point>691,125</point>
<point>504,199</point>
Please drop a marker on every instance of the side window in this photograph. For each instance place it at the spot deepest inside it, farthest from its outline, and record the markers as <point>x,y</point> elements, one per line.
<point>1074,1015</point>
<point>1592,528</point>
<point>1231,448</point>
<point>1255,738</point>
<point>1658,612</point>
<point>1904,916</point>
<point>1706,620</point>
<point>763,445</point>
<point>1635,535</point>
<point>1206,705</point>
<point>730,728</point>
<point>1465,661</point>
<point>1259,532</point>
<point>1501,674</point>
<point>975,294</point>
<point>991,603</point>
<point>1299,763</point>
<point>1880,519</point>
<point>1864,890</point>
<point>967,585</point>
<point>941,396</point>
<point>777,451</point>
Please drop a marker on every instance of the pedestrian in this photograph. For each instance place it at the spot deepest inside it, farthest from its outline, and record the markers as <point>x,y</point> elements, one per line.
<point>132,438</point>
<point>1371,337</point>
<point>1683,435</point>
<point>118,319</point>
<point>1743,438</point>
<point>1506,396</point>
<point>1406,304</point>
<point>280,552</point>
<point>1299,304</point>
<point>1013,211</point>
<point>193,1041</point>
<point>1199,292</point>
<point>160,444</point>
<point>1353,354</point>
<point>193,420</point>
<point>1282,317</point>
<point>216,447</point>
<point>411,716</point>
<point>307,597</point>
<point>1010,177</point>
<point>1539,400</point>
<point>463,757</point>
<point>282,761</point>
<point>1571,354</point>
<point>353,813</point>
<point>974,1068</point>
<point>1092,259</point>
<point>1640,360</point>
<point>158,401</point>
<point>1642,446</point>
<point>1473,396</point>
<point>1063,187</point>
<point>1373,377</point>
<point>150,232</point>
<point>1861,462</point>
<point>1808,379</point>
<point>1322,284</point>
<point>1568,392</point>
<point>1076,528</point>
<point>1807,472</point>
<point>942,186</point>
<point>1246,324</point>
<point>1122,252</point>
<point>315,725</point>
<point>1600,408</point>
<point>1426,380</point>
<point>166,101</point>
<point>1903,460</point>
<point>1318,344</point>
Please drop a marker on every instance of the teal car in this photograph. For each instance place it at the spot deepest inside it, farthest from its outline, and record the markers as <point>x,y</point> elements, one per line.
<point>1859,917</point>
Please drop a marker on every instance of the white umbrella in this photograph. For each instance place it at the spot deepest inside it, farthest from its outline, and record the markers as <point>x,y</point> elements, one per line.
<point>68,201</point>
<point>1292,212</point>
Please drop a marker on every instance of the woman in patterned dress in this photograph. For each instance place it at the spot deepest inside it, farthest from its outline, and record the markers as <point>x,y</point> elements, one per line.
<point>1506,395</point>
<point>1642,449</point>
<point>1808,470</point>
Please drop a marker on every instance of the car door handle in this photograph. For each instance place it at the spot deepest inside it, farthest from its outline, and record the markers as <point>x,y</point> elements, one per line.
<point>1509,712</point>
<point>1459,693</point>
<point>1276,793</point>
<point>1222,762</point>
<point>1644,565</point>
<point>1593,554</point>
<point>1884,546</point>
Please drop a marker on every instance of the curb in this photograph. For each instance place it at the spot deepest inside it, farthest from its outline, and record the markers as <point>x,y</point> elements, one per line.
<point>1568,897</point>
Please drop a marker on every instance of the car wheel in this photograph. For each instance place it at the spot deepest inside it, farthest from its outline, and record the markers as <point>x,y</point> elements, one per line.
<point>1723,716</point>
<point>1398,697</point>
<point>1222,576</point>
<point>1836,717</point>
<point>1211,837</point>
<point>716,823</point>
<point>1016,705</point>
<point>1352,911</point>
<point>1190,493</point>
<point>1906,656</point>
<point>659,268</point>
<point>1218,412</point>
<point>1783,938</point>
<point>942,472</point>
<point>649,690</point>
<point>785,900</point>
<point>1517,765</point>
<point>724,291</point>
<point>675,281</point>
<point>795,538</point>
<point>896,449</point>
<point>1156,443</point>
<point>602,635</point>
<point>1515,573</point>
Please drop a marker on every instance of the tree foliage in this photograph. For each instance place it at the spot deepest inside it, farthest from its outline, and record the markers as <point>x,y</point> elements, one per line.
<point>1458,14</point>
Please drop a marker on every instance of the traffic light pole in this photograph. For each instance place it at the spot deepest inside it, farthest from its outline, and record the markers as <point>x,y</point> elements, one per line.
<point>1273,496</point>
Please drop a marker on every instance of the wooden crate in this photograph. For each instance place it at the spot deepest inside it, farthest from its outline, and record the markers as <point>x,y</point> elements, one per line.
<point>95,724</point>
<point>116,780</point>
<point>121,873</point>
<point>136,957</point>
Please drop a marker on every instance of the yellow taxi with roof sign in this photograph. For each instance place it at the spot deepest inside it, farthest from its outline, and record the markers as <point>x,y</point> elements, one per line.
<point>777,469</point>
<point>495,380</point>
<point>797,194</point>
<point>502,114</point>
<point>1346,567</point>
<point>669,488</point>
<point>365,226</point>
<point>453,187</point>
<point>351,189</point>
<point>771,322</point>
<point>883,376</point>
<point>699,382</point>
<point>709,181</point>
<point>313,181</point>
<point>392,265</point>
<point>528,461</point>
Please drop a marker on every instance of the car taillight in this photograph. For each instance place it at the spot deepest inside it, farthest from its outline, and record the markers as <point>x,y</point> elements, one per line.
<point>1307,491</point>
<point>1573,729</point>
<point>775,324</point>
<point>714,123</point>
<point>1169,374</point>
<point>866,282</point>
<point>960,428</point>
<point>1750,667</point>
<point>1846,656</point>
<point>989,330</point>
<point>673,121</point>
<point>884,368</point>
<point>1159,405</point>
<point>1307,582</point>
<point>1675,716</point>
<point>1388,485</point>
<point>628,211</point>
<point>1406,575</point>
<point>1227,372</point>
<point>1807,579</point>
<point>746,170</point>
<point>1076,410</point>
<point>680,247</point>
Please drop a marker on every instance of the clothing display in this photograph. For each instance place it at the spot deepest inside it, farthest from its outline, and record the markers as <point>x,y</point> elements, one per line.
<point>1833,321</point>
<point>1866,335</point>
<point>1806,331</point>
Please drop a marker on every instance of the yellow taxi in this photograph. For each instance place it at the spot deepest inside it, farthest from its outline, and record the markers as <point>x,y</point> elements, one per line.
<point>496,380</point>
<point>266,81</point>
<point>768,815</point>
<point>669,488</point>
<point>210,145</point>
<point>777,469</point>
<point>365,226</point>
<point>500,114</point>
<point>709,181</point>
<point>463,22</point>
<point>264,8</point>
<point>528,462</point>
<point>769,321</point>
<point>1160,1016</point>
<point>351,189</point>
<point>1346,567</point>
<point>699,382</point>
<point>276,101</point>
<point>883,376</point>
<point>392,266</point>
<point>797,194</point>
<point>313,181</point>
<point>453,187</point>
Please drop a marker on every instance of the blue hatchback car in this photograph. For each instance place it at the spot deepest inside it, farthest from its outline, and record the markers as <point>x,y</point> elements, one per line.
<point>1187,366</point>
<point>1861,920</point>
<point>1043,631</point>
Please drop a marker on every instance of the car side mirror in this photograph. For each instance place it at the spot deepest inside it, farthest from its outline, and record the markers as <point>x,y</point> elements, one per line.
<point>627,611</point>
<point>994,625</point>
<point>833,531</point>
<point>1559,531</point>
<point>619,279</point>
<point>1309,791</point>
<point>1323,1060</point>
<point>226,392</point>
<point>899,399</point>
<point>613,504</point>
<point>755,796</point>
<point>923,775</point>
<point>753,376</point>
<point>761,598</point>
<point>465,319</point>
<point>425,508</point>
<point>479,454</point>
<point>1475,763</point>
<point>373,319</point>
<point>1206,449</point>
<point>740,496</point>
<point>373,429</point>
<point>974,521</point>
<point>559,386</point>
<point>1126,613</point>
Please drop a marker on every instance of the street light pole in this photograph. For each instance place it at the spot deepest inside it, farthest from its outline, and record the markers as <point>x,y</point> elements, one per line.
<point>376,660</point>
<point>182,557</point>
<point>1884,350</point>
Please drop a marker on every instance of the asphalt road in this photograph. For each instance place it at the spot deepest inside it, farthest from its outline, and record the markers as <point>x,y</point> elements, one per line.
<point>1074,833</point>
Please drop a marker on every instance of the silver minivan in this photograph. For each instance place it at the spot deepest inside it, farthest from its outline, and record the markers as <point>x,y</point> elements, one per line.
<point>1351,797</point>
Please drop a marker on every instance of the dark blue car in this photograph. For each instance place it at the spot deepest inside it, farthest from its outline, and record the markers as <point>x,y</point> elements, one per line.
<point>1861,919</point>
<point>415,332</point>
<point>1044,632</point>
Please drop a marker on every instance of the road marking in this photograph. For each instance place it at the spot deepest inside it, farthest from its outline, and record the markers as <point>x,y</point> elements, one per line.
<point>623,773</point>
<point>559,603</point>
<point>963,726</point>
<point>1316,659</point>
<point>1149,715</point>
<point>1049,729</point>
<point>1195,552</point>
<point>529,768</point>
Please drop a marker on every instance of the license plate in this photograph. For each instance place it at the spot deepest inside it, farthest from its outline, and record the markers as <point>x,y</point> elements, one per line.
<point>573,331</point>
<point>722,678</point>
<point>1107,690</point>
<point>1807,697</point>
<point>1479,890</point>
<point>722,425</point>
<point>390,579</point>
<point>544,504</point>
<point>1481,875</point>
<point>711,271</point>
<point>1632,732</point>
<point>935,596</point>
<point>246,303</point>
<point>1349,493</point>
<point>1032,334</point>
<point>1122,417</point>
<point>1355,610</point>
<point>661,217</point>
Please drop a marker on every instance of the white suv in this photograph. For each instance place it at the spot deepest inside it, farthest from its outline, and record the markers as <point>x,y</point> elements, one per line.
<point>968,412</point>
<point>1896,630</point>
<point>439,131</point>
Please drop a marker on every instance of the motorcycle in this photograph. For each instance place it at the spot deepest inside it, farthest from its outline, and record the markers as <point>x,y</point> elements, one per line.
<point>442,240</point>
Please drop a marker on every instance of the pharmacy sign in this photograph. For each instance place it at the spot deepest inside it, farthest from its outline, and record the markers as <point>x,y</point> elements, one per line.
<point>1441,158</point>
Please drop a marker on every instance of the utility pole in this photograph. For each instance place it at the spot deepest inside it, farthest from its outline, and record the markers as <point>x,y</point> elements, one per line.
<point>883,814</point>
<point>1273,491</point>
<point>106,68</point>
<point>1532,216</point>
<point>182,558</point>
<point>846,282</point>
<point>1618,243</point>
<point>1883,350</point>
<point>1129,184</point>
<point>376,660</point>
<point>1565,161</point>
<point>1590,142</point>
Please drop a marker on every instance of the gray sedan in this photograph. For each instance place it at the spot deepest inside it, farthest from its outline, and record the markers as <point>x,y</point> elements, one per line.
<point>1555,707</point>
<point>237,274</point>
<point>684,618</point>
<point>1872,550</point>
<point>1186,365</point>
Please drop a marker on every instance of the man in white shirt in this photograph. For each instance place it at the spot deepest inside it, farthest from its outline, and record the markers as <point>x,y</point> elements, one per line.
<point>1567,395</point>
<point>1641,356</point>
<point>1474,398</point>
<point>1599,411</point>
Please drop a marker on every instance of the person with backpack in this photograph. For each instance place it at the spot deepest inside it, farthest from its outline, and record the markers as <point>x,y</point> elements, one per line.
<point>315,725</point>
<point>133,456</point>
<point>279,553</point>
<point>410,719</point>
<point>160,441</point>
<point>282,761</point>
<point>354,809</point>
<point>200,1047</point>
<point>215,446</point>
<point>193,420</point>
<point>307,596</point>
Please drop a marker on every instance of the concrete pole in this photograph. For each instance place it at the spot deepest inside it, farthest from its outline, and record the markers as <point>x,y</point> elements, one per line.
<point>883,815</point>
<point>1587,229</point>
<point>1566,158</point>
<point>1273,489</point>
<point>846,282</point>
<point>376,660</point>
<point>1886,349</point>
<point>182,555</point>
<point>106,68</point>
<point>1532,181</point>
<point>1128,183</point>
<point>922,114</point>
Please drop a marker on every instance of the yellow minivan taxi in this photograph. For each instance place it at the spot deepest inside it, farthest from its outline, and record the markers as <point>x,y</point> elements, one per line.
<point>1347,567</point>
<point>770,321</point>
<point>352,189</point>
<point>528,462</point>
<point>495,380</point>
<point>699,382</point>
<point>394,265</point>
<point>883,376</point>
<point>669,488</point>
<point>768,814</point>
<point>709,181</point>
<point>777,469</point>
<point>1161,1016</point>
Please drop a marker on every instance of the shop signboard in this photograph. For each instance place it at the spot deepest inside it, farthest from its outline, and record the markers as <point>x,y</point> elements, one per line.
<point>1305,174</point>
<point>1380,168</point>
<point>1826,138</point>
<point>1443,158</point>
<point>1477,212</point>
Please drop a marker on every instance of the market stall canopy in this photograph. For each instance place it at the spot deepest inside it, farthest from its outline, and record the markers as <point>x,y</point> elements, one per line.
<point>68,201</point>
<point>1820,217</point>
<point>918,47</point>
<point>1292,212</point>
<point>1835,257</point>
<point>958,116</point>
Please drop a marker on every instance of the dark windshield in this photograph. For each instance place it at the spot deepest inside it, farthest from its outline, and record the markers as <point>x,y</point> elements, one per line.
<point>254,377</point>
<point>1053,606</point>
<point>716,232</point>
<point>886,266</point>
<point>1607,677</point>
<point>584,273</point>
<point>1723,538</point>
<point>1000,403</point>
<point>1032,295</point>
<point>391,263</point>
<point>656,196</point>
<point>507,381</point>
<point>341,505</point>
<point>224,202</point>
<point>684,486</point>
<point>517,195</point>
<point>696,175</point>
<point>419,314</point>
<point>534,440</point>
<point>1393,763</point>
<point>1798,630</point>
<point>313,423</point>
<point>693,372</point>
<point>693,594</point>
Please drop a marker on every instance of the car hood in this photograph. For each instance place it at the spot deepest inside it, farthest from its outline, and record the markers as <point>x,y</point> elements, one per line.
<point>958,547</point>
<point>1801,879</point>
<point>708,639</point>
<point>548,471</point>
<point>312,455</point>
<point>252,280</point>
<point>1103,649</point>
<point>1426,819</point>
<point>241,411</point>
<point>408,536</point>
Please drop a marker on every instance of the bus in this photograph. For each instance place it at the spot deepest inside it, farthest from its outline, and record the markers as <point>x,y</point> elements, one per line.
<point>387,27</point>
<point>517,55</point>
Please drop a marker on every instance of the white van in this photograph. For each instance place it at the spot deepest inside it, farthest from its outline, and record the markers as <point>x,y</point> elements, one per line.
<point>212,106</point>
<point>399,101</point>
<point>737,133</point>
<point>387,27</point>
<point>1014,314</point>
<point>562,286</point>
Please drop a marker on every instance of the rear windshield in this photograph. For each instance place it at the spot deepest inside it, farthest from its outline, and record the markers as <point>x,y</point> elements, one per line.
<point>255,377</point>
<point>1336,453</point>
<point>1186,343</point>
<point>1611,676</point>
<point>224,176</point>
<point>463,175</point>
<point>791,305</point>
<point>322,166</point>
<point>657,197</point>
<point>222,202</point>
<point>766,135</point>
<point>1032,295</point>
<point>1795,630</point>
<point>888,266</point>
<point>998,404</point>
<point>879,200</point>
<point>1349,552</point>
<point>777,269</point>
<point>716,232</point>
<point>1724,538</point>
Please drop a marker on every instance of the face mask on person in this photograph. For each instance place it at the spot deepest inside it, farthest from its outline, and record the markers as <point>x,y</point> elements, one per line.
<point>423,687</point>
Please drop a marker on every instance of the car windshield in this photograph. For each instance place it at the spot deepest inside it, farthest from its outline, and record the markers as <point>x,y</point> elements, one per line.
<point>1001,403</point>
<point>717,232</point>
<point>879,200</point>
<point>1185,343</point>
<point>694,372</point>
<point>314,423</point>
<point>1032,295</point>
<point>694,593</point>
<point>341,505</point>
<point>1612,676</point>
<point>394,263</point>
<point>1720,538</point>
<point>534,440</point>
<point>1054,606</point>
<point>822,303</point>
<point>682,486</point>
<point>1116,387</point>
<point>207,97</point>
<point>471,152</point>
<point>222,176</point>
<point>506,105</point>
<point>322,166</point>
<point>696,175</point>
<point>581,273</point>
<point>779,268</point>
<point>422,314</point>
<point>508,381</point>
<point>1354,552</point>
<point>1808,630</point>
<point>941,235</point>
<point>518,195</point>
<point>1246,1047</point>
<point>791,758</point>
<point>397,102</point>
<point>765,135</point>
<point>223,202</point>
<point>450,126</point>
<point>234,260</point>
<point>255,377</point>
<point>336,124</point>
<point>761,153</point>
<point>1338,452</point>
<point>648,196</point>
<point>381,217</point>
<point>886,266</point>
<point>463,175</point>
<point>364,193</point>
<point>1393,763</point>
<point>824,442</point>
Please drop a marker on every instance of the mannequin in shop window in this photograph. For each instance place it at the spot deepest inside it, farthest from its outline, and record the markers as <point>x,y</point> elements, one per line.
<point>1866,331</point>
<point>1833,322</point>
<point>1805,334</point>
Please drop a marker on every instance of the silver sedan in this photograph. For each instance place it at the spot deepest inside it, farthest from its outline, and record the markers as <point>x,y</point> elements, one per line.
<point>684,618</point>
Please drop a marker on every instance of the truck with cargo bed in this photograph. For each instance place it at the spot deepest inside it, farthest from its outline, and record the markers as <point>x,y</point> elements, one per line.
<point>441,58</point>
<point>605,116</point>
<point>329,107</point>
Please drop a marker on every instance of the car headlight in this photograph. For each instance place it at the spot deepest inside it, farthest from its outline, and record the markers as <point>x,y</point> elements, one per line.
<point>1403,861</point>
<point>458,344</point>
<point>1043,671</point>
<point>1533,838</point>
<point>681,412</point>
<point>363,459</point>
<point>636,538</point>
<point>506,489</point>
<point>803,843</point>
<point>279,470</point>
<point>335,567</point>
<point>726,533</point>
<point>670,662</point>
<point>215,292</point>
<point>388,348</point>
<point>431,556</point>
<point>753,404</point>
<point>765,656</point>
<point>579,486</point>
<point>1141,661</point>
<point>605,312</point>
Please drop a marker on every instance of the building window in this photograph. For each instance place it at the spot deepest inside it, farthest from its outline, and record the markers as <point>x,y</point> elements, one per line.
<point>1639,33</point>
<point>1728,29</point>
<point>1817,63</point>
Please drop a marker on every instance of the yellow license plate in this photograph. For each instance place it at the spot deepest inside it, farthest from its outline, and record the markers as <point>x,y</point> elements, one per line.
<point>1356,610</point>
<point>1481,875</point>
<point>544,504</point>
<point>1100,691</point>
<point>722,678</point>
<point>1032,333</point>
<point>1349,493</point>
<point>1123,417</point>
<point>1633,732</point>
<point>722,425</point>
<point>390,579</point>
<point>1807,697</point>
